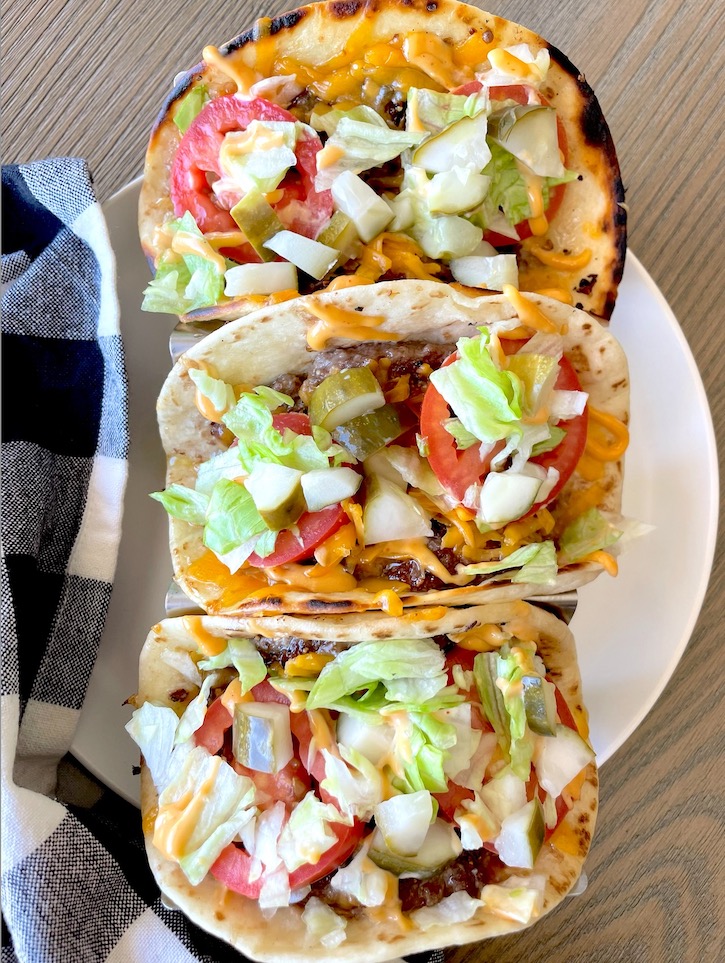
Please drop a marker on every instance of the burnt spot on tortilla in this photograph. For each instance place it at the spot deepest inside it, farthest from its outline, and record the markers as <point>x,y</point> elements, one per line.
<point>342,9</point>
<point>178,695</point>
<point>135,770</point>
<point>586,284</point>
<point>326,605</point>
<point>430,7</point>
<point>285,21</point>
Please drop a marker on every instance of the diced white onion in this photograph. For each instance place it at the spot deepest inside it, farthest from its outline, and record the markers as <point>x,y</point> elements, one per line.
<point>310,256</point>
<point>366,209</point>
<point>486,272</point>
<point>260,278</point>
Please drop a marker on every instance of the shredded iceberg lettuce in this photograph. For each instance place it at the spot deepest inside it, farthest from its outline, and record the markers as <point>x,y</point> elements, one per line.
<point>486,400</point>
<point>590,532</point>
<point>184,282</point>
<point>228,806</point>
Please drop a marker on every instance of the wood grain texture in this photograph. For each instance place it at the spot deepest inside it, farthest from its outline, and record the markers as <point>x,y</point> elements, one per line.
<point>87,79</point>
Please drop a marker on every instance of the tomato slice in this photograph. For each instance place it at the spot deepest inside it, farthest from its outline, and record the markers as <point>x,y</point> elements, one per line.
<point>314,528</point>
<point>294,421</point>
<point>211,733</point>
<point>457,470</point>
<point>233,867</point>
<point>568,452</point>
<point>196,164</point>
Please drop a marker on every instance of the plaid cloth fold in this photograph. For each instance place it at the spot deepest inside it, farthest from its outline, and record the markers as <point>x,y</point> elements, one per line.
<point>76,887</point>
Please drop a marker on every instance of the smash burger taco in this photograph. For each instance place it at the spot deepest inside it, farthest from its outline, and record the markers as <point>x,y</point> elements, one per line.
<point>394,445</point>
<point>348,142</point>
<point>371,788</point>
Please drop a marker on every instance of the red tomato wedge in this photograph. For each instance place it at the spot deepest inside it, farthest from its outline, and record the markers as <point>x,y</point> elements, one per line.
<point>233,867</point>
<point>211,733</point>
<point>457,470</point>
<point>196,165</point>
<point>314,528</point>
<point>292,421</point>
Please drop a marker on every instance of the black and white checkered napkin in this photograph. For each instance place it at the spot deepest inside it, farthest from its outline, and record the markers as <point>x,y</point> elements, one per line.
<point>75,882</point>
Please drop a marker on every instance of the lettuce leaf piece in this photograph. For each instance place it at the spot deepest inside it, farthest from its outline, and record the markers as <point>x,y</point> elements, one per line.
<point>354,781</point>
<point>521,746</point>
<point>322,923</point>
<point>461,435</point>
<point>184,503</point>
<point>218,392</point>
<point>555,438</point>
<point>536,563</point>
<point>307,835</point>
<point>590,532</point>
<point>232,518</point>
<point>184,282</point>
<point>195,712</point>
<point>508,188</point>
<point>190,106</point>
<point>258,157</point>
<point>224,465</point>
<point>153,729</point>
<point>367,663</point>
<point>259,441</point>
<point>245,657</point>
<point>507,193</point>
<point>487,401</point>
<point>438,110</point>
<point>228,807</point>
<point>359,140</point>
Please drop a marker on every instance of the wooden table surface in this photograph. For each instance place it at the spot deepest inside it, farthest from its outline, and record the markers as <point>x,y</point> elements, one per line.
<point>87,79</point>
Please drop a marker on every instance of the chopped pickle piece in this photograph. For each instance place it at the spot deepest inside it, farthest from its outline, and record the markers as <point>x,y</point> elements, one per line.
<point>369,433</point>
<point>440,846</point>
<point>461,144</point>
<point>540,705</point>
<point>261,735</point>
<point>340,233</point>
<point>522,836</point>
<point>277,494</point>
<point>344,396</point>
<point>257,218</point>
<point>309,256</point>
<point>529,132</point>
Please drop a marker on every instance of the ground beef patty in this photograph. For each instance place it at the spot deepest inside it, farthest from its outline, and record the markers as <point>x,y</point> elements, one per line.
<point>288,647</point>
<point>405,357</point>
<point>470,871</point>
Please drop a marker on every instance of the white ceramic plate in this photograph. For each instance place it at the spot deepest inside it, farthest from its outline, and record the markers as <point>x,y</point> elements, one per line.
<point>631,631</point>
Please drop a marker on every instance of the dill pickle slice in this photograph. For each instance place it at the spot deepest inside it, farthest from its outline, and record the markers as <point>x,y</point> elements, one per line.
<point>257,218</point>
<point>340,233</point>
<point>369,433</point>
<point>261,735</point>
<point>539,704</point>
<point>344,396</point>
<point>277,494</point>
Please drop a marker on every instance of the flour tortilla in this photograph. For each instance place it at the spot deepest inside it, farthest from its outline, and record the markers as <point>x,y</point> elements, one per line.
<point>283,938</point>
<point>259,347</point>
<point>591,215</point>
